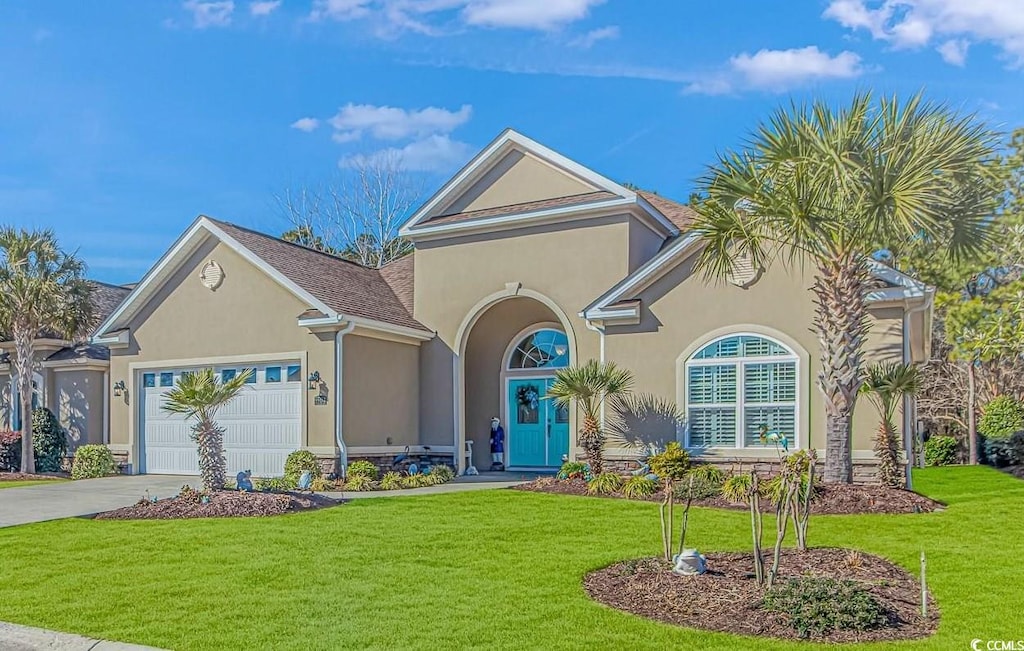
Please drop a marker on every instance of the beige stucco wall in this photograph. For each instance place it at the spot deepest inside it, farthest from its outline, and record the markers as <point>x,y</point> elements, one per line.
<point>382,392</point>
<point>249,314</point>
<point>682,311</point>
<point>6,406</point>
<point>78,399</point>
<point>518,178</point>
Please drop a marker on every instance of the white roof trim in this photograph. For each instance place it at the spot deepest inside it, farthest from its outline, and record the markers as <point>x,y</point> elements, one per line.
<point>155,277</point>
<point>492,153</point>
<point>380,326</point>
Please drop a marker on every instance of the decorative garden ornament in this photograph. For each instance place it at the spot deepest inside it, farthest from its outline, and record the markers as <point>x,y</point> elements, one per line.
<point>305,479</point>
<point>498,442</point>
<point>689,563</point>
<point>243,481</point>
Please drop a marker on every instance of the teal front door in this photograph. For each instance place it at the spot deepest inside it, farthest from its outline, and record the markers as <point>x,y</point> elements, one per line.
<point>537,430</point>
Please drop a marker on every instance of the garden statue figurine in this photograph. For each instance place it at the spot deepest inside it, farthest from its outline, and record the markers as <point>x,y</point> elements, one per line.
<point>497,445</point>
<point>690,562</point>
<point>243,481</point>
<point>305,479</point>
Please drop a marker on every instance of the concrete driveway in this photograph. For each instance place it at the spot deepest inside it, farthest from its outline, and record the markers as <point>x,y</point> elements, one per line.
<point>69,499</point>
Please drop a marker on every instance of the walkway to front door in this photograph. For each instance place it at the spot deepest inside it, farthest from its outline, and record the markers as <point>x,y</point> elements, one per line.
<point>537,430</point>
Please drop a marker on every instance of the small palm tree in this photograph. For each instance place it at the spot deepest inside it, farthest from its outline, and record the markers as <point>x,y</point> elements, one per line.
<point>589,386</point>
<point>826,188</point>
<point>886,384</point>
<point>43,291</point>
<point>200,395</point>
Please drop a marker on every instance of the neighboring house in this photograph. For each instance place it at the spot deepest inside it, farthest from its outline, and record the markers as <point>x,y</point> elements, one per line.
<point>70,377</point>
<point>524,262</point>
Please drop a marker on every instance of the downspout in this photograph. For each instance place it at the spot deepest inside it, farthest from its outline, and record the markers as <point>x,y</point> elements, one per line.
<point>910,415</point>
<point>600,331</point>
<point>339,397</point>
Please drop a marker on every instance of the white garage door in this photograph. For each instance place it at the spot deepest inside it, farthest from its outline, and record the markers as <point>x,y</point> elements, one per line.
<point>262,425</point>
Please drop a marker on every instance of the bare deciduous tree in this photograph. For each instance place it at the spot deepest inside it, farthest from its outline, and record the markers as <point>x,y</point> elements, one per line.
<point>355,216</point>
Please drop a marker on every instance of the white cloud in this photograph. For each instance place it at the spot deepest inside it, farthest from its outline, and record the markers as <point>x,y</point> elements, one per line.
<point>530,14</point>
<point>210,13</point>
<point>391,123</point>
<point>587,41</point>
<point>306,124</point>
<point>954,51</point>
<point>436,153</point>
<point>340,10</point>
<point>957,23</point>
<point>779,70</point>
<point>263,7</point>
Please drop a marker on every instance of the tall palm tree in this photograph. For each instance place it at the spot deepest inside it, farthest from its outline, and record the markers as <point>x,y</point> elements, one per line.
<point>886,384</point>
<point>826,188</point>
<point>43,292</point>
<point>589,386</point>
<point>199,395</point>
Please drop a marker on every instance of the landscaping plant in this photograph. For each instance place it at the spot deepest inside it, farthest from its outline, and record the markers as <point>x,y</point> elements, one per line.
<point>199,395</point>
<point>605,484</point>
<point>941,450</point>
<point>886,384</point>
<point>441,473</point>
<point>42,289</point>
<point>816,606</point>
<point>391,481</point>
<point>670,465</point>
<point>790,492</point>
<point>698,476</point>
<point>573,470</point>
<point>300,461</point>
<point>10,451</point>
<point>638,487</point>
<point>49,440</point>
<point>92,461</point>
<point>746,488</point>
<point>825,187</point>
<point>589,386</point>
<point>363,468</point>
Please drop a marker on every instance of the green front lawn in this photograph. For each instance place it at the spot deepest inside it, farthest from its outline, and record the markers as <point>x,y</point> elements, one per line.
<point>26,482</point>
<point>494,569</point>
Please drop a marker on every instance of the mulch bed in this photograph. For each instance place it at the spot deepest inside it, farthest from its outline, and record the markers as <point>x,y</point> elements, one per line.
<point>830,499</point>
<point>727,598</point>
<point>25,476</point>
<point>222,504</point>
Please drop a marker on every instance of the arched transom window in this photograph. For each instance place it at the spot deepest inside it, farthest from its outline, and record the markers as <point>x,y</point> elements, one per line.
<point>545,348</point>
<point>736,385</point>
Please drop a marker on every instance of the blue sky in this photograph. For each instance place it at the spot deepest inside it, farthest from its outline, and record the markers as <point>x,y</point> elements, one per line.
<point>120,121</point>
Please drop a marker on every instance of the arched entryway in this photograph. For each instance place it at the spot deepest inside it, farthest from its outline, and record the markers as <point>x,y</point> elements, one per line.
<point>511,345</point>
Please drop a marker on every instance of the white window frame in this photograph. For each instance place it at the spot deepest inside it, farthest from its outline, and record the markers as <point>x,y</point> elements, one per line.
<point>510,350</point>
<point>740,363</point>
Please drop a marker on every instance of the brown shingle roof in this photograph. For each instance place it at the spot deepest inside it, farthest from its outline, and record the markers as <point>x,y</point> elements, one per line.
<point>345,287</point>
<point>525,207</point>
<point>680,215</point>
<point>105,299</point>
<point>400,275</point>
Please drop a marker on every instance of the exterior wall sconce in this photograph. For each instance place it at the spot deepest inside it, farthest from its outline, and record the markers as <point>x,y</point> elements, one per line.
<point>314,380</point>
<point>119,388</point>
<point>561,349</point>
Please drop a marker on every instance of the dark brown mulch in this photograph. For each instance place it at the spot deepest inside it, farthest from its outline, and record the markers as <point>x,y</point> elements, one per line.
<point>27,476</point>
<point>830,499</point>
<point>727,598</point>
<point>222,504</point>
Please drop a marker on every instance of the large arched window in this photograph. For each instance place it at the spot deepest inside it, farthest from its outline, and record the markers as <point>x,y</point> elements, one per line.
<point>543,348</point>
<point>737,384</point>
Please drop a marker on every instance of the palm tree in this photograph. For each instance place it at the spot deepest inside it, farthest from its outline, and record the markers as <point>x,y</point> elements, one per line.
<point>589,386</point>
<point>43,292</point>
<point>827,188</point>
<point>199,395</point>
<point>886,384</point>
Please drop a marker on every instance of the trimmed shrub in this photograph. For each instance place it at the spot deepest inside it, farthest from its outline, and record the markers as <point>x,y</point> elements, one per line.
<point>416,481</point>
<point>92,461</point>
<point>1015,449</point>
<point>638,487</point>
<point>1001,417</point>
<point>10,451</point>
<point>604,484</point>
<point>322,484</point>
<point>363,468</point>
<point>574,470</point>
<point>299,462</point>
<point>817,606</point>
<point>941,451</point>
<point>671,464</point>
<point>273,484</point>
<point>391,481</point>
<point>360,483</point>
<point>705,484</point>
<point>441,474</point>
<point>49,440</point>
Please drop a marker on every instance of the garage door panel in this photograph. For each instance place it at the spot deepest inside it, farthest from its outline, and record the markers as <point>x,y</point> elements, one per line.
<point>262,425</point>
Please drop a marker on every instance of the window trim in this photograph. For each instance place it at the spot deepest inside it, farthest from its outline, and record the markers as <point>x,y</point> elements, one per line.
<point>510,350</point>
<point>797,356</point>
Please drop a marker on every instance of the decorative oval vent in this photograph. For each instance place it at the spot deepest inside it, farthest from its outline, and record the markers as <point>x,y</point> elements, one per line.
<point>744,273</point>
<point>212,275</point>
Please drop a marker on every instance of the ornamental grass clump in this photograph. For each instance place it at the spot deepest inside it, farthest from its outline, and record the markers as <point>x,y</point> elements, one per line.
<point>605,484</point>
<point>639,487</point>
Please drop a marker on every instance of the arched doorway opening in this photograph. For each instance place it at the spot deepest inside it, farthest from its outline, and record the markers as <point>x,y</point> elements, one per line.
<point>510,346</point>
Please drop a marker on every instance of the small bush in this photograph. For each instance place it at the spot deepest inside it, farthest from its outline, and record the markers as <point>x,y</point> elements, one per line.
<point>300,461</point>
<point>705,485</point>
<point>574,470</point>
<point>322,484</point>
<point>442,474</point>
<point>273,484</point>
<point>359,483</point>
<point>672,463</point>
<point>49,440</point>
<point>92,461</point>
<point>817,606</point>
<point>190,495</point>
<point>416,481</point>
<point>604,484</point>
<point>638,487</point>
<point>10,451</point>
<point>1001,417</point>
<point>941,451</point>
<point>391,481</point>
<point>1015,449</point>
<point>363,468</point>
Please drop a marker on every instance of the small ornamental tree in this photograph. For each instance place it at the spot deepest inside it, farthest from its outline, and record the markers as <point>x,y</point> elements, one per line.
<point>746,488</point>
<point>886,384</point>
<point>670,465</point>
